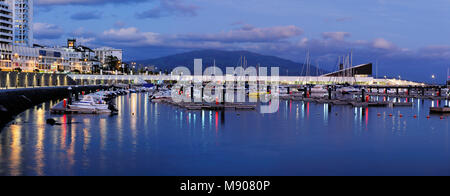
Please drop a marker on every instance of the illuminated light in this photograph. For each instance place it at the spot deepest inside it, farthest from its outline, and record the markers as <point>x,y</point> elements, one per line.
<point>217,122</point>
<point>367,116</point>
<point>307,110</point>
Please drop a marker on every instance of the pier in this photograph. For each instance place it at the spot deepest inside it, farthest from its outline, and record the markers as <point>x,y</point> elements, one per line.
<point>15,101</point>
<point>209,106</point>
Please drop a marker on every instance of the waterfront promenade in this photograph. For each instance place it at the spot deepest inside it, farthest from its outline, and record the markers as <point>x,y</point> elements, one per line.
<point>286,80</point>
<point>9,80</point>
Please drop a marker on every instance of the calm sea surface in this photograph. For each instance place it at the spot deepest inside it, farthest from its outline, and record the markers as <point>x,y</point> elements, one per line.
<point>157,139</point>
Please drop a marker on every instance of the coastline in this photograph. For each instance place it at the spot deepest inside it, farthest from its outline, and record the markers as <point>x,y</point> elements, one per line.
<point>16,101</point>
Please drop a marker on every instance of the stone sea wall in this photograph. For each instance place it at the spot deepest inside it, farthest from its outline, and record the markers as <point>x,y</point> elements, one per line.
<point>15,101</point>
<point>26,80</point>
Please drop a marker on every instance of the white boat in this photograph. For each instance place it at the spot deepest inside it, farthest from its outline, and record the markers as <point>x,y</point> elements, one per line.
<point>89,105</point>
<point>319,89</point>
<point>282,90</point>
<point>348,89</point>
<point>161,95</point>
<point>394,91</point>
<point>445,91</point>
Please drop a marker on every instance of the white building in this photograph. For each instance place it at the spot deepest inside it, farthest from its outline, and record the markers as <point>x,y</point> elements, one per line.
<point>103,53</point>
<point>6,34</point>
<point>22,12</point>
<point>6,23</point>
<point>39,59</point>
<point>18,52</point>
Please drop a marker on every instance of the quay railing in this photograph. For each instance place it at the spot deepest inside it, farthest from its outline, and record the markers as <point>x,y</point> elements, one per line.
<point>16,80</point>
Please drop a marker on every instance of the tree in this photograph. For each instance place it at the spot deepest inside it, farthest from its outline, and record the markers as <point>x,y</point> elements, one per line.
<point>125,68</point>
<point>95,68</point>
<point>76,71</point>
<point>112,63</point>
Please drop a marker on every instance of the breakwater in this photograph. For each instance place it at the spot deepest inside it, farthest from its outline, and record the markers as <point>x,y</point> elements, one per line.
<point>15,101</point>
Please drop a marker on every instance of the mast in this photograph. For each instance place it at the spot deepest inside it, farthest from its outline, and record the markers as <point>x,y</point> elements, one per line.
<point>376,72</point>
<point>214,67</point>
<point>448,76</point>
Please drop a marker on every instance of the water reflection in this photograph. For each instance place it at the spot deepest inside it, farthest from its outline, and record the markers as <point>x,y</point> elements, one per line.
<point>156,139</point>
<point>15,159</point>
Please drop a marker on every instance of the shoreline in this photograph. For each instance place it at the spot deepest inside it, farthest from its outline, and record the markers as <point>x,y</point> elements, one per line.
<point>15,101</point>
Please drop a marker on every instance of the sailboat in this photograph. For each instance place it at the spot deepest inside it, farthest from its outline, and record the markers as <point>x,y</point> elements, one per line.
<point>89,105</point>
<point>306,68</point>
<point>448,77</point>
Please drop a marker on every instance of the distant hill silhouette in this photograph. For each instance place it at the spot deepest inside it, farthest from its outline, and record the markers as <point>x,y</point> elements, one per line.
<point>227,59</point>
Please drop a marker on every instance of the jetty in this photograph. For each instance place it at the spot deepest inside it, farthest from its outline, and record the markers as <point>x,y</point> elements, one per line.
<point>209,106</point>
<point>438,110</point>
<point>91,104</point>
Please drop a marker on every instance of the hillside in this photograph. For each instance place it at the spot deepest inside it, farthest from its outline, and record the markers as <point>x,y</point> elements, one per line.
<point>226,59</point>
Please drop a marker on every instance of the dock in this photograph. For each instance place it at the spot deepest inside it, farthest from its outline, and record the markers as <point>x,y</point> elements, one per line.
<point>350,102</point>
<point>60,109</point>
<point>209,106</point>
<point>438,110</point>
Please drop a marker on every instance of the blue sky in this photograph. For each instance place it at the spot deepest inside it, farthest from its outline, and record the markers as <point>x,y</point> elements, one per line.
<point>403,36</point>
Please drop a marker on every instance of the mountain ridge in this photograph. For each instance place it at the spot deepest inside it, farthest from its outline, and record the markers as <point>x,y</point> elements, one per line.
<point>225,59</point>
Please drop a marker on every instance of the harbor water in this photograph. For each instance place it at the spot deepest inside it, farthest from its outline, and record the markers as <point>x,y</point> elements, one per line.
<point>300,139</point>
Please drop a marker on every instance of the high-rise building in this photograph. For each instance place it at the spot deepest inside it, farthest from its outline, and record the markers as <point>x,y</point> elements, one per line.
<point>6,34</point>
<point>22,11</point>
<point>6,23</point>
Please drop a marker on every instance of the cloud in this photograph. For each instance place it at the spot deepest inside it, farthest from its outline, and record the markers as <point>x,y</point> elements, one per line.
<point>86,15</point>
<point>381,43</point>
<point>84,2</point>
<point>82,32</point>
<point>248,33</point>
<point>285,41</point>
<point>133,37</point>
<point>336,35</point>
<point>130,37</point>
<point>169,8</point>
<point>47,31</point>
<point>339,20</point>
<point>436,51</point>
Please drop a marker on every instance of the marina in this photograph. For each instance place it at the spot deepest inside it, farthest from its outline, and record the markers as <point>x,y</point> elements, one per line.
<point>201,91</point>
<point>155,138</point>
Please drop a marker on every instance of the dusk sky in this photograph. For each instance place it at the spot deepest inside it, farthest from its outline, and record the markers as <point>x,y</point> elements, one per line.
<point>407,38</point>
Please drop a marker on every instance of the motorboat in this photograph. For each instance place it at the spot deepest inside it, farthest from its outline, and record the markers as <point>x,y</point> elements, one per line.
<point>282,90</point>
<point>89,105</point>
<point>255,92</point>
<point>348,90</point>
<point>319,89</point>
<point>160,95</point>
